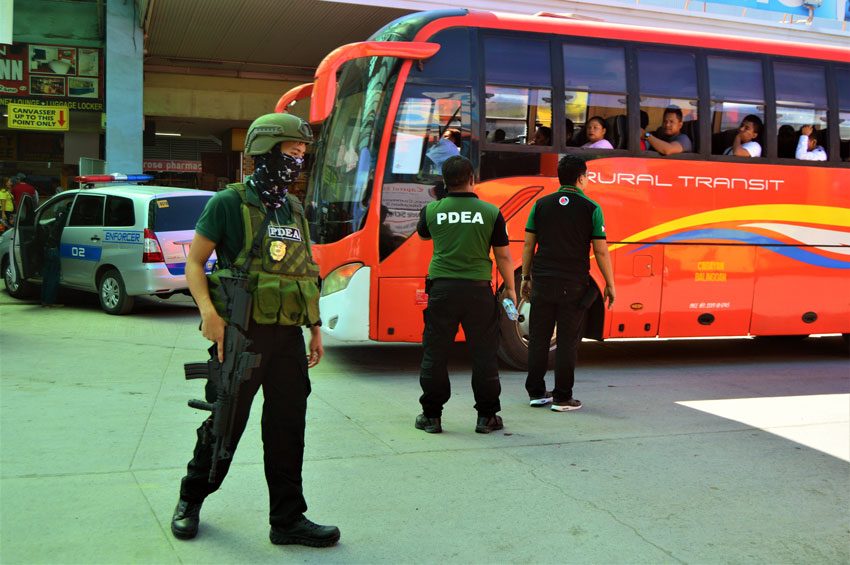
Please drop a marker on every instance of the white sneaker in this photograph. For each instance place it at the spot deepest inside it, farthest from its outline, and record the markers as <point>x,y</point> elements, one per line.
<point>542,401</point>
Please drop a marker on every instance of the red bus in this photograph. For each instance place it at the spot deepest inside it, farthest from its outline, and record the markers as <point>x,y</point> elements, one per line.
<point>703,243</point>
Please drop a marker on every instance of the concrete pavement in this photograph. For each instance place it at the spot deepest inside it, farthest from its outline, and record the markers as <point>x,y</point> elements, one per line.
<point>679,456</point>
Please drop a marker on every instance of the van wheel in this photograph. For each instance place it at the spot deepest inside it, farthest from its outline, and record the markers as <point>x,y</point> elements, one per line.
<point>113,295</point>
<point>513,345</point>
<point>14,285</point>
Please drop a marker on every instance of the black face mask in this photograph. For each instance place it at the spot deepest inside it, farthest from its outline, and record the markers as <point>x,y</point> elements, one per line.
<point>273,173</point>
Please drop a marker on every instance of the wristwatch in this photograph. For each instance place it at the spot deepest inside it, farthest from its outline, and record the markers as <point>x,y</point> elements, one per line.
<point>646,135</point>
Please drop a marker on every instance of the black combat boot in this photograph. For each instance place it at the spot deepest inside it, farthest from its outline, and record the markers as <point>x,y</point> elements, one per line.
<point>304,532</point>
<point>187,516</point>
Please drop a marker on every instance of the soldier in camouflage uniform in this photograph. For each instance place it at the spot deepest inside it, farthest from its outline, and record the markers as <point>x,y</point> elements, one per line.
<point>283,280</point>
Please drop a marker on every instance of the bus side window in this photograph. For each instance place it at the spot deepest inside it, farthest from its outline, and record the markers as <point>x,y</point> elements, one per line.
<point>737,90</point>
<point>842,76</point>
<point>798,106</point>
<point>595,85</point>
<point>669,79</point>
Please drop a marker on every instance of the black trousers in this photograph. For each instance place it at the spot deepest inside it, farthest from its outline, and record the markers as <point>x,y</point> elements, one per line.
<point>283,375</point>
<point>472,305</point>
<point>554,301</point>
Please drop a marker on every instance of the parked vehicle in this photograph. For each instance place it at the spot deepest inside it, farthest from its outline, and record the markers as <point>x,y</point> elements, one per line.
<point>121,240</point>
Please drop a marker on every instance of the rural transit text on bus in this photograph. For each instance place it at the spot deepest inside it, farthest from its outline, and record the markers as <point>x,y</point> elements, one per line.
<point>703,243</point>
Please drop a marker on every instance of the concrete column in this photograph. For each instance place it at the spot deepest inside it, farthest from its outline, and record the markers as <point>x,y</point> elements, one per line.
<point>124,73</point>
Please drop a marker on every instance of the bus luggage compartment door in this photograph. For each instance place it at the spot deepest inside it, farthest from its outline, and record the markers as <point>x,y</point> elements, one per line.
<point>707,290</point>
<point>400,307</point>
<point>800,291</point>
<point>638,276</point>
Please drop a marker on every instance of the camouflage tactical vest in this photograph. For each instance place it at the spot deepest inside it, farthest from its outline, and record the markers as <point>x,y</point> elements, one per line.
<point>282,277</point>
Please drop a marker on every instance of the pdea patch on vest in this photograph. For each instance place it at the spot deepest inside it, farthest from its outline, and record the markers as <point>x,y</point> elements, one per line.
<point>460,218</point>
<point>284,232</point>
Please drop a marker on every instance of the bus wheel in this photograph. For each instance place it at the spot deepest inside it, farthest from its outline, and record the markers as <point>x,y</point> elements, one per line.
<point>113,295</point>
<point>513,345</point>
<point>14,285</point>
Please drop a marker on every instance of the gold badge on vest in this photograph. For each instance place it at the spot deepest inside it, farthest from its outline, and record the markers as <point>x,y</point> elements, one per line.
<point>277,250</point>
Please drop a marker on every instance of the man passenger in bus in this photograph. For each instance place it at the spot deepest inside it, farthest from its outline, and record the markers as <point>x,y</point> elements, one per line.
<point>669,139</point>
<point>447,146</point>
<point>595,131</point>
<point>560,231</point>
<point>570,131</point>
<point>542,136</point>
<point>459,287</point>
<point>745,144</point>
<point>807,147</point>
<point>499,136</point>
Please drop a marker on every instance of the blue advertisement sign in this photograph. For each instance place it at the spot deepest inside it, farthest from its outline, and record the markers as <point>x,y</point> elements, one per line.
<point>831,9</point>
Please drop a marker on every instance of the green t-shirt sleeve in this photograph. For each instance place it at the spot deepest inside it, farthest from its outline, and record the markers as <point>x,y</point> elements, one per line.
<point>530,225</point>
<point>213,219</point>
<point>598,224</point>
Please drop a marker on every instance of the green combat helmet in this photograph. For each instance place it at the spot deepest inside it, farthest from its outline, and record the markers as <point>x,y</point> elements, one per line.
<point>270,129</point>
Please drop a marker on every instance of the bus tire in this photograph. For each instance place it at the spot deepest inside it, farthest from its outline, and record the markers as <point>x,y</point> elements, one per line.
<point>112,294</point>
<point>513,344</point>
<point>14,285</point>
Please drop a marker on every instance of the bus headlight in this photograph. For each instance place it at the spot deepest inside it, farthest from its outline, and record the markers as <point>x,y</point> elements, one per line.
<point>339,278</point>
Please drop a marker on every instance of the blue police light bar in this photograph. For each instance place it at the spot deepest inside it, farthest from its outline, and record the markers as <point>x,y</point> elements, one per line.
<point>114,177</point>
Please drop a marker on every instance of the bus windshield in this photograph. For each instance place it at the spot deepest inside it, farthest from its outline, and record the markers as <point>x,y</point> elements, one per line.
<point>340,189</point>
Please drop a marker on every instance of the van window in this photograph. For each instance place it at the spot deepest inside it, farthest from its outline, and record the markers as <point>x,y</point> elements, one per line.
<point>119,212</point>
<point>176,213</point>
<point>88,211</point>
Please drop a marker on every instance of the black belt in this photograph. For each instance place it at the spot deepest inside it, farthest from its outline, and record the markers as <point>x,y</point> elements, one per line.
<point>460,282</point>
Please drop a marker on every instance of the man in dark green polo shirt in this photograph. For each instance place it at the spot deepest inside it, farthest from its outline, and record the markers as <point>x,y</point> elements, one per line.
<point>460,291</point>
<point>561,227</point>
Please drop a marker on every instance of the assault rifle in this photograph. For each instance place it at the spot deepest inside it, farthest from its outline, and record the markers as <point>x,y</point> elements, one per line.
<point>228,376</point>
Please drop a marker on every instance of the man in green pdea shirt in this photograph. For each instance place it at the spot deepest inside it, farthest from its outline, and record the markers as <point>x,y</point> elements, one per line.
<point>460,291</point>
<point>560,230</point>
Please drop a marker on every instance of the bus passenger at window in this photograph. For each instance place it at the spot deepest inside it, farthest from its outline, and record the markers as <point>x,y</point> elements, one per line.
<point>595,131</point>
<point>745,144</point>
<point>644,121</point>
<point>807,147</point>
<point>447,146</point>
<point>669,139</point>
<point>542,136</point>
<point>499,136</point>
<point>570,130</point>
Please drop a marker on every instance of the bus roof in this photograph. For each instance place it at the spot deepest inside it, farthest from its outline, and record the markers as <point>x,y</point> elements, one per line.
<point>422,25</point>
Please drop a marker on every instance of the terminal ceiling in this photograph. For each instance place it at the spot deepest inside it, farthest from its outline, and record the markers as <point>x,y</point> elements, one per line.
<point>278,40</point>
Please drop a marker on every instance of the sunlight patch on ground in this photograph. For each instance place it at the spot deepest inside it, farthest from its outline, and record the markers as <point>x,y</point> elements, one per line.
<point>820,421</point>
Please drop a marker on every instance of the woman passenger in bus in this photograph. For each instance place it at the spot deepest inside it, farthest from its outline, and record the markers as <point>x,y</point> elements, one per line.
<point>542,136</point>
<point>595,131</point>
<point>807,147</point>
<point>745,144</point>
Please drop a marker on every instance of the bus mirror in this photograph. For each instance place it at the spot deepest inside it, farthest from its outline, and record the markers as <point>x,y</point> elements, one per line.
<point>324,87</point>
<point>293,95</point>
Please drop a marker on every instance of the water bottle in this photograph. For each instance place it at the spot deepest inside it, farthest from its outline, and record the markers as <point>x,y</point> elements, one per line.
<point>510,309</point>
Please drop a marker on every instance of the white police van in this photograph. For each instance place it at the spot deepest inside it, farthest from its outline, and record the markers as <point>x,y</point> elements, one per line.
<point>120,240</point>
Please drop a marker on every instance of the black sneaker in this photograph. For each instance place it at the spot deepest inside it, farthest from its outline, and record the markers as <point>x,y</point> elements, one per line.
<point>487,424</point>
<point>538,401</point>
<point>187,516</point>
<point>430,425</point>
<point>566,405</point>
<point>304,532</point>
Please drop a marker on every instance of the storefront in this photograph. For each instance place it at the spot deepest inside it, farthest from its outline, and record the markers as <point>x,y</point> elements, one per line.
<point>52,102</point>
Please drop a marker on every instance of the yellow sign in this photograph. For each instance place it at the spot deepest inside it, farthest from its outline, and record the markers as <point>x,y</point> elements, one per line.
<point>50,118</point>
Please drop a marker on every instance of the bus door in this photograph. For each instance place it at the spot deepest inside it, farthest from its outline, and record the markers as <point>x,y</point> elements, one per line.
<point>27,254</point>
<point>433,123</point>
<point>638,275</point>
<point>82,241</point>
<point>707,290</point>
